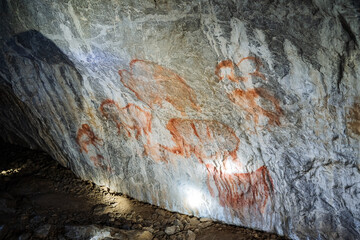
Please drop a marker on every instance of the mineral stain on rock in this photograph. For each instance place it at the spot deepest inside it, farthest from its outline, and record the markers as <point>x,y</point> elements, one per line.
<point>353,119</point>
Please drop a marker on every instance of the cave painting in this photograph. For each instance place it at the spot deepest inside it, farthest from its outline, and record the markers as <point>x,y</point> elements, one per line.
<point>212,143</point>
<point>245,193</point>
<point>89,143</point>
<point>226,69</point>
<point>248,101</point>
<point>136,123</point>
<point>208,140</point>
<point>256,64</point>
<point>154,84</point>
<point>86,137</point>
<point>134,120</point>
<point>256,101</point>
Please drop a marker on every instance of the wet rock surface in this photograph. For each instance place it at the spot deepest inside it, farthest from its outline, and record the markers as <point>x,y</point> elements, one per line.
<point>42,200</point>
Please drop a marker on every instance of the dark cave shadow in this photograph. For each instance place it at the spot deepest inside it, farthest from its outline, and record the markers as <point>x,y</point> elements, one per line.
<point>32,47</point>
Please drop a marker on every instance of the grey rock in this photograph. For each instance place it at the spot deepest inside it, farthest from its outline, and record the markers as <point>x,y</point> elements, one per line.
<point>160,212</point>
<point>190,235</point>
<point>204,224</point>
<point>7,203</point>
<point>149,229</point>
<point>102,232</point>
<point>25,236</point>
<point>36,220</point>
<point>247,112</point>
<point>205,219</point>
<point>179,224</point>
<point>99,209</point>
<point>42,231</point>
<point>172,230</point>
<point>194,221</point>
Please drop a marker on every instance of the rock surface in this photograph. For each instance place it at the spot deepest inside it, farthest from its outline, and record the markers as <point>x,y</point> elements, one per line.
<point>245,112</point>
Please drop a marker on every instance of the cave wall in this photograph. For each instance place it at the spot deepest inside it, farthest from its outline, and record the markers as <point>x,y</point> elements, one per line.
<point>246,112</point>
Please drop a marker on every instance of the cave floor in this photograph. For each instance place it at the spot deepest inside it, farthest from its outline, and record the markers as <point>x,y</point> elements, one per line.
<point>39,199</point>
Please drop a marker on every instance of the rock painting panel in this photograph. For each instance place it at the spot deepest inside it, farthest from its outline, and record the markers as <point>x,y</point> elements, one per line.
<point>214,144</point>
<point>248,101</point>
<point>89,143</point>
<point>154,84</point>
<point>246,193</point>
<point>208,140</point>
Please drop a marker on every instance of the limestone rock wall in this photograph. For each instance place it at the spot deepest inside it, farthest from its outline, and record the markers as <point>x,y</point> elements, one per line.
<point>246,112</point>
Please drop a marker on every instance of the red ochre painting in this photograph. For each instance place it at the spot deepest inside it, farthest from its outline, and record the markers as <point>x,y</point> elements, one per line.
<point>212,143</point>
<point>248,101</point>
<point>90,143</point>
<point>155,84</point>
<point>85,137</point>
<point>136,123</point>
<point>247,194</point>
<point>256,61</point>
<point>206,139</point>
<point>134,120</point>
<point>226,69</point>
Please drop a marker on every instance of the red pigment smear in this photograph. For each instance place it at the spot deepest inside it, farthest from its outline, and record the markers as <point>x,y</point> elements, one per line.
<point>245,193</point>
<point>136,122</point>
<point>85,137</point>
<point>206,139</point>
<point>131,118</point>
<point>98,161</point>
<point>258,64</point>
<point>226,69</point>
<point>154,84</point>
<point>246,99</point>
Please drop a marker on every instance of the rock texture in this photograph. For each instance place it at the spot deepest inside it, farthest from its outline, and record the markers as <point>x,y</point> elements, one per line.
<point>244,112</point>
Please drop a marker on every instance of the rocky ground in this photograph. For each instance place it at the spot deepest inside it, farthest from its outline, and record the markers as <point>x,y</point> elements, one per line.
<point>39,199</point>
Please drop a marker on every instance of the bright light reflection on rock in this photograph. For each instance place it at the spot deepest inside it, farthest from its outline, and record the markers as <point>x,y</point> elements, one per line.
<point>194,198</point>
